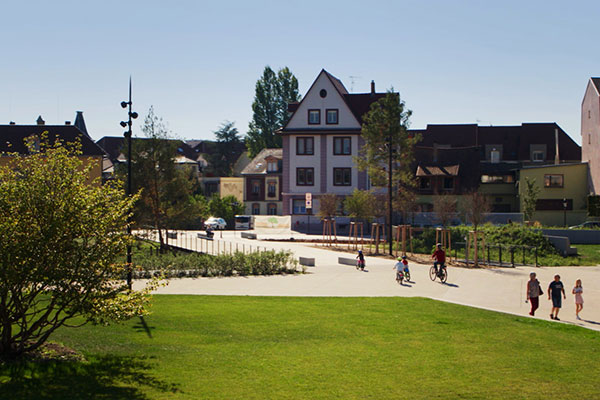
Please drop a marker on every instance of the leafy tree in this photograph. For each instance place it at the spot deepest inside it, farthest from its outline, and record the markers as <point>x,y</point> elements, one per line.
<point>444,206</point>
<point>530,197</point>
<point>227,149</point>
<point>166,189</point>
<point>225,207</point>
<point>404,202</point>
<point>328,205</point>
<point>359,205</point>
<point>385,131</point>
<point>272,94</point>
<point>60,238</point>
<point>474,207</point>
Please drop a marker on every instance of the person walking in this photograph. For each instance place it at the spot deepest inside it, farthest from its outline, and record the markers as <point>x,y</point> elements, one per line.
<point>578,292</point>
<point>555,289</point>
<point>534,291</point>
<point>361,261</point>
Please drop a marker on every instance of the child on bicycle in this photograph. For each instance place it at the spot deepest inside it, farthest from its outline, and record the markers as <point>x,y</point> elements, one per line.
<point>401,267</point>
<point>361,261</point>
<point>439,255</point>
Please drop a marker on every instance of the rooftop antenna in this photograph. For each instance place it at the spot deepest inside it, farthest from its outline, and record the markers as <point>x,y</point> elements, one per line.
<point>353,79</point>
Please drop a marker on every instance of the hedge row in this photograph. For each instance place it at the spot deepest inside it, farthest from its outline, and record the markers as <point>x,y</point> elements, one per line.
<point>236,264</point>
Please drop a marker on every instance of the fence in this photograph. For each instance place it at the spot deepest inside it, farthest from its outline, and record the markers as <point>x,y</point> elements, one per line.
<point>499,255</point>
<point>192,241</point>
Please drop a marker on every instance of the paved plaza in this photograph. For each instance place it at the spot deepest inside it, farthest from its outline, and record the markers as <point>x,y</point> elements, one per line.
<point>499,289</point>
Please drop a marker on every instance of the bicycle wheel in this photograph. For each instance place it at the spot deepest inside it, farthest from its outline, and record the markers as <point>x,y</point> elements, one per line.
<point>407,276</point>
<point>432,273</point>
<point>443,275</point>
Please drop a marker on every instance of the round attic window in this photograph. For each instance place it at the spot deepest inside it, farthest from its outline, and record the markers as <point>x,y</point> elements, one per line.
<point>323,93</point>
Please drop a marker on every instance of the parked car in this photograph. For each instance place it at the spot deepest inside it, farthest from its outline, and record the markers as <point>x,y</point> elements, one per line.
<point>587,225</point>
<point>215,223</point>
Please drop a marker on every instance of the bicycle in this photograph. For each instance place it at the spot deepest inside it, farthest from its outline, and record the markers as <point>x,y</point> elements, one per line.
<point>400,277</point>
<point>442,273</point>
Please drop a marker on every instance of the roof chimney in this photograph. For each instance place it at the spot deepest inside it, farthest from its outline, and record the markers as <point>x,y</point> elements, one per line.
<point>40,121</point>
<point>372,87</point>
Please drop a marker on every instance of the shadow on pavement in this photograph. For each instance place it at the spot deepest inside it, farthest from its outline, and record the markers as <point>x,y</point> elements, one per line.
<point>450,284</point>
<point>108,377</point>
<point>591,322</point>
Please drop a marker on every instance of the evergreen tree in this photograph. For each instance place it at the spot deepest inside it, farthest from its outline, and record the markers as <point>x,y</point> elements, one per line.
<point>227,149</point>
<point>273,93</point>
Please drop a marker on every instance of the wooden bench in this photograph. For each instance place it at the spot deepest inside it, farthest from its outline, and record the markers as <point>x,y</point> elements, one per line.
<point>306,261</point>
<point>248,235</point>
<point>201,236</point>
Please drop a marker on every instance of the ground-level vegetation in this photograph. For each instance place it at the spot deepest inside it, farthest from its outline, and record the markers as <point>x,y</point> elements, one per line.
<point>296,348</point>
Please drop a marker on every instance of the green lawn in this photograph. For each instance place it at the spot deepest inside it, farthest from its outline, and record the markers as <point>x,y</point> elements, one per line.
<point>218,347</point>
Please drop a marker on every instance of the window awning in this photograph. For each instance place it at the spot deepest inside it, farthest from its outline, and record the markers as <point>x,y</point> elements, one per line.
<point>449,170</point>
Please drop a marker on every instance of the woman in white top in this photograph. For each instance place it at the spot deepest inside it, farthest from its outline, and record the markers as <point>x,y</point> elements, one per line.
<point>578,292</point>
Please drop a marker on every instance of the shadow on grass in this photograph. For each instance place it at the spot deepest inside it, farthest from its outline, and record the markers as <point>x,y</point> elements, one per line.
<point>142,326</point>
<point>108,377</point>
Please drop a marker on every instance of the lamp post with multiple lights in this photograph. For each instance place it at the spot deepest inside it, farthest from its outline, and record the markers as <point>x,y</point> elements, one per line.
<point>131,115</point>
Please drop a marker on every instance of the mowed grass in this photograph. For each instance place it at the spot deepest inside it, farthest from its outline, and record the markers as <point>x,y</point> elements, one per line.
<point>219,347</point>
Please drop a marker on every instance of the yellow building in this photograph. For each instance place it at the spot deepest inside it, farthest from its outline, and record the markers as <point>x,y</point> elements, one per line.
<point>563,192</point>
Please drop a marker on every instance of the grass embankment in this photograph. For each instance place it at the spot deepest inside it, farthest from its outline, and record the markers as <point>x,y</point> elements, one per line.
<point>318,348</point>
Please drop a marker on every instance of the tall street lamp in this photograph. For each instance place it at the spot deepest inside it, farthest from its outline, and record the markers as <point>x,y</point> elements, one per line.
<point>127,134</point>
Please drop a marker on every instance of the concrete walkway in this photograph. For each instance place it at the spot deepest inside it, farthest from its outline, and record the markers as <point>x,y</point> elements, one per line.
<point>498,289</point>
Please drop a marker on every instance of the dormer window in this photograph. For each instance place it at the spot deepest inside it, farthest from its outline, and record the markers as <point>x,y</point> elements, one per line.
<point>314,117</point>
<point>332,117</point>
<point>272,166</point>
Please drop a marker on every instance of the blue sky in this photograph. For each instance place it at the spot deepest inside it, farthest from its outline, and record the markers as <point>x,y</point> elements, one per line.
<point>452,61</point>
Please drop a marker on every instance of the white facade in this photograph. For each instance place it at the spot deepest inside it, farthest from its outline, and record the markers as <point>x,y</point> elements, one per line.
<point>326,95</point>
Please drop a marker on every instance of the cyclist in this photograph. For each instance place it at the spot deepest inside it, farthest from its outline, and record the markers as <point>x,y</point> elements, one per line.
<point>399,267</point>
<point>440,258</point>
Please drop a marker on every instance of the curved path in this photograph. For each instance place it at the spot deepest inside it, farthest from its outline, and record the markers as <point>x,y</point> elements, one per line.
<point>498,289</point>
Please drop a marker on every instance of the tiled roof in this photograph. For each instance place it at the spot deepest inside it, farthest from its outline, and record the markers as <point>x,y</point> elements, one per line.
<point>258,165</point>
<point>515,139</point>
<point>360,103</point>
<point>12,137</point>
<point>596,82</point>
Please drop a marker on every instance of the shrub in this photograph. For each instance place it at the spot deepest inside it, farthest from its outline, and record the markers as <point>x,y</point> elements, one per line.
<point>236,264</point>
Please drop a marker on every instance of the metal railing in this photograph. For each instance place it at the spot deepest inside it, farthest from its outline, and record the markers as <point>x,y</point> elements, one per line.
<point>501,255</point>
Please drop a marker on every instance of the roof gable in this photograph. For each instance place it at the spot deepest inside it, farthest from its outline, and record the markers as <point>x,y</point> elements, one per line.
<point>334,99</point>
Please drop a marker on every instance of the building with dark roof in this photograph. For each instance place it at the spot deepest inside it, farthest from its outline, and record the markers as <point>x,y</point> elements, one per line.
<point>13,140</point>
<point>184,155</point>
<point>488,159</point>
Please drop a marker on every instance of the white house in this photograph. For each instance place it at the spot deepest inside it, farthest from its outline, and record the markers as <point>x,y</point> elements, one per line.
<point>319,142</point>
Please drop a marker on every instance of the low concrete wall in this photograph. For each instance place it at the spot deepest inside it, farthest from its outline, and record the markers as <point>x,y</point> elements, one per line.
<point>346,261</point>
<point>306,261</point>
<point>576,236</point>
<point>563,245</point>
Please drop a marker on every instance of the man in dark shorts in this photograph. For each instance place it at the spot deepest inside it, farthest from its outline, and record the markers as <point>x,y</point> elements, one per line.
<point>555,289</point>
